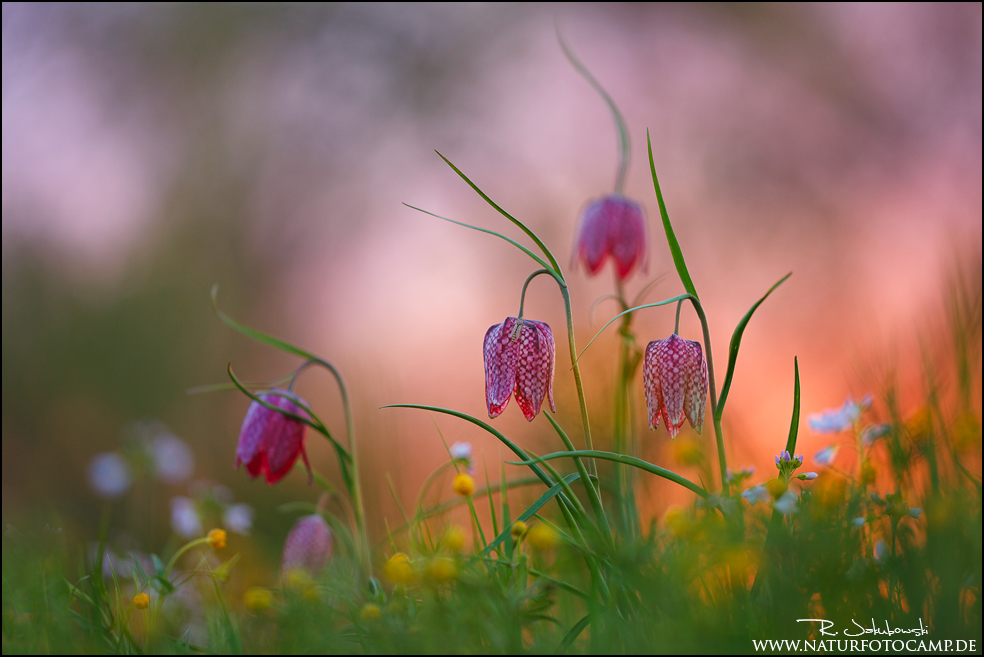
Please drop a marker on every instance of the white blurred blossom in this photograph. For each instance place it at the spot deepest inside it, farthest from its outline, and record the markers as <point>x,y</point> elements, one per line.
<point>787,503</point>
<point>836,420</point>
<point>109,474</point>
<point>238,518</point>
<point>173,460</point>
<point>185,520</point>
<point>826,455</point>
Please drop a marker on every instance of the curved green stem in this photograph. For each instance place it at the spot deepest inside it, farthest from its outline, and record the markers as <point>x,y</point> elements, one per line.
<point>529,279</point>
<point>621,129</point>
<point>676,325</point>
<point>356,489</point>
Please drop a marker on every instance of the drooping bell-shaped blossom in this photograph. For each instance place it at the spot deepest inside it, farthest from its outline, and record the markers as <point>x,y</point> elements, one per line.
<point>612,226</point>
<point>519,358</point>
<point>308,546</point>
<point>674,374</point>
<point>269,441</point>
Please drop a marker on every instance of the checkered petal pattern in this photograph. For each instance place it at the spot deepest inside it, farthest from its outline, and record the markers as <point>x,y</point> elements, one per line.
<point>674,376</point>
<point>519,360</point>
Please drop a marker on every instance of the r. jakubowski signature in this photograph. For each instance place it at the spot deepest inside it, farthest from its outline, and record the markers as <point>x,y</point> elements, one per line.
<point>861,630</point>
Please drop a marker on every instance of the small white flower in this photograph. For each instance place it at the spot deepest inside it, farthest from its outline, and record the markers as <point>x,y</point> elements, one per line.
<point>184,518</point>
<point>757,494</point>
<point>238,518</point>
<point>109,474</point>
<point>873,432</point>
<point>786,504</point>
<point>826,455</point>
<point>859,522</point>
<point>173,460</point>
<point>461,451</point>
<point>881,551</point>
<point>835,420</point>
<point>915,512</point>
<point>807,476</point>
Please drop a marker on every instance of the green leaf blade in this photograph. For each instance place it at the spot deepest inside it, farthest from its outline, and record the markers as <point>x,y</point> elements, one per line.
<point>671,240</point>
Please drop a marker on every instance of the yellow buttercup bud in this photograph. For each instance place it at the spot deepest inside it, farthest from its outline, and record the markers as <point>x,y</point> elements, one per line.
<point>776,487</point>
<point>542,537</point>
<point>688,452</point>
<point>216,539</point>
<point>442,569</point>
<point>370,612</point>
<point>399,570</point>
<point>258,599</point>
<point>141,601</point>
<point>454,539</point>
<point>463,485</point>
<point>518,529</point>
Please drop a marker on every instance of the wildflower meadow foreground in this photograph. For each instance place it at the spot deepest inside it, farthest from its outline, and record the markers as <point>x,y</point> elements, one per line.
<point>871,545</point>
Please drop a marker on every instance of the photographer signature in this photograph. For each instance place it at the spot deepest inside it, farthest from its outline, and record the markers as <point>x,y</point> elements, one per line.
<point>862,630</point>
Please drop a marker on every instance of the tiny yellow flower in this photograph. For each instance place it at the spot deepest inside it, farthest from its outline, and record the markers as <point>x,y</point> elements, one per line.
<point>966,432</point>
<point>463,485</point>
<point>542,537</point>
<point>370,612</point>
<point>216,539</point>
<point>399,570</point>
<point>776,488</point>
<point>518,529</point>
<point>141,601</point>
<point>454,539</point>
<point>258,599</point>
<point>920,425</point>
<point>442,569</point>
<point>868,474</point>
<point>688,452</point>
<point>298,578</point>
<point>677,521</point>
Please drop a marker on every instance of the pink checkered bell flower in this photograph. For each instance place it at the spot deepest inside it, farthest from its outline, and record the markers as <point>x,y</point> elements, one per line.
<point>270,442</point>
<point>612,226</point>
<point>519,358</point>
<point>674,374</point>
<point>308,546</point>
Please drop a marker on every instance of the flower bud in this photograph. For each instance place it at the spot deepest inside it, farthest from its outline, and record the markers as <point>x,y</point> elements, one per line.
<point>517,530</point>
<point>141,601</point>
<point>269,441</point>
<point>308,546</point>
<point>216,539</point>
<point>612,226</point>
<point>463,485</point>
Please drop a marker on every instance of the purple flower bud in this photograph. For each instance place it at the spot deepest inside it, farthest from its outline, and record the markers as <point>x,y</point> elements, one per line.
<point>308,545</point>
<point>269,441</point>
<point>612,226</point>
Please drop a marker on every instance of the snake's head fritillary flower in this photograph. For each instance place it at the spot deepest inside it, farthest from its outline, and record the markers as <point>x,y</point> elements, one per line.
<point>519,358</point>
<point>675,377</point>
<point>269,441</point>
<point>308,546</point>
<point>612,226</point>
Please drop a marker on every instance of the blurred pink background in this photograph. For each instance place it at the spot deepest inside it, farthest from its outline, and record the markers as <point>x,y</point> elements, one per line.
<point>839,142</point>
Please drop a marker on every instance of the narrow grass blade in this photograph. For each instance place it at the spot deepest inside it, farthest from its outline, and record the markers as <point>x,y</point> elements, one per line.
<point>551,493</point>
<point>258,335</point>
<point>522,226</point>
<point>794,423</point>
<point>626,460</point>
<point>519,246</point>
<point>736,344</point>
<point>675,250</point>
<point>630,310</point>
<point>571,636</point>
<point>541,475</point>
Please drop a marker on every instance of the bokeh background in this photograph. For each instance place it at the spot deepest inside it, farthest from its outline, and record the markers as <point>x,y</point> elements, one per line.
<point>150,151</point>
